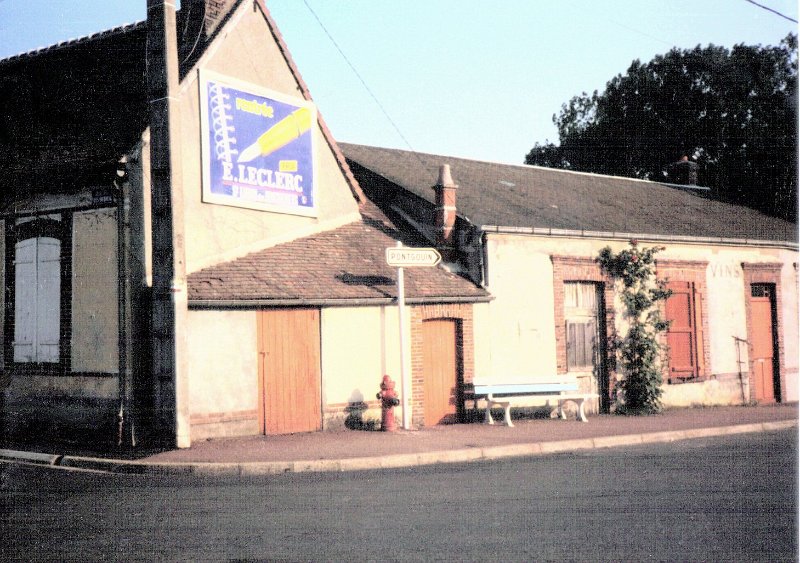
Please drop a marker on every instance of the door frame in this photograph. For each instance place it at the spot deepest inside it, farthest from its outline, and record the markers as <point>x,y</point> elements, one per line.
<point>777,391</point>
<point>465,352</point>
<point>766,273</point>
<point>458,362</point>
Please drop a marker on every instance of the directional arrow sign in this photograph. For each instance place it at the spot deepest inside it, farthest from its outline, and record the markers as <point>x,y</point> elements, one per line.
<point>402,257</point>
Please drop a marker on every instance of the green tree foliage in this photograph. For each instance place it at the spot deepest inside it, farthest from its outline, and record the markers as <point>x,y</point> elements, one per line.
<point>732,111</point>
<point>639,351</point>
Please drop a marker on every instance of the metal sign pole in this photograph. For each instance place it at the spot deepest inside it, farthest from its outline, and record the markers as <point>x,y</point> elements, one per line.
<point>400,257</point>
<point>405,388</point>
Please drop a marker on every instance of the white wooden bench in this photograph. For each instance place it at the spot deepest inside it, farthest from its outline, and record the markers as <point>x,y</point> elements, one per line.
<point>502,395</point>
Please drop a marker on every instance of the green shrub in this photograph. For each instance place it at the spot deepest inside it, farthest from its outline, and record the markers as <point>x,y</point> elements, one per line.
<point>639,351</point>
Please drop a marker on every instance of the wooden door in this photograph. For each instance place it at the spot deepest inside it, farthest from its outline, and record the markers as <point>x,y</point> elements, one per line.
<point>440,371</point>
<point>763,342</point>
<point>289,371</point>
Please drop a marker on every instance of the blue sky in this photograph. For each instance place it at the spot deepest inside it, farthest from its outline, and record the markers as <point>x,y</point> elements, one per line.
<point>473,78</point>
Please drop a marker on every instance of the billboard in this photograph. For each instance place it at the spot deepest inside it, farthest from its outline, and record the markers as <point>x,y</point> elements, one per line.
<point>258,147</point>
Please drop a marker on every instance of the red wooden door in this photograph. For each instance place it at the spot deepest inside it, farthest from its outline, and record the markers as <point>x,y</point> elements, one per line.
<point>289,370</point>
<point>763,344</point>
<point>440,371</point>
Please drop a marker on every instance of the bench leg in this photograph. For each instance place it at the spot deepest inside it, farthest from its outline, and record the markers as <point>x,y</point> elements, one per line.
<point>579,403</point>
<point>490,402</point>
<point>508,415</point>
<point>581,413</point>
<point>488,418</point>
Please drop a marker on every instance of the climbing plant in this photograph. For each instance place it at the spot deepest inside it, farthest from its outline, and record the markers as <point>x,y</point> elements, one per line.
<point>639,350</point>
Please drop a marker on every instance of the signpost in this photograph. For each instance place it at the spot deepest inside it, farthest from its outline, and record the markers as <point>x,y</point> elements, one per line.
<point>402,257</point>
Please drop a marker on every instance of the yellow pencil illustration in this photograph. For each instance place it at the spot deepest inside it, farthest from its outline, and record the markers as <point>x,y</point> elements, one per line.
<point>279,135</point>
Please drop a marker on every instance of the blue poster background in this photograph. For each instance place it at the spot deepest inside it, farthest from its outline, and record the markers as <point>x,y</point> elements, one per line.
<point>259,149</point>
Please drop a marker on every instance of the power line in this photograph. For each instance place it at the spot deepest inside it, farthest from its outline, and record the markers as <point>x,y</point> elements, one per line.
<point>363,83</point>
<point>776,12</point>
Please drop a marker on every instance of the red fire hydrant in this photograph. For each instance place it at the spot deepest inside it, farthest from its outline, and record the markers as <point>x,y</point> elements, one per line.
<point>389,401</point>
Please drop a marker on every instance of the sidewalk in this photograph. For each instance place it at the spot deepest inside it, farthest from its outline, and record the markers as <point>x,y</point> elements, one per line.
<point>355,450</point>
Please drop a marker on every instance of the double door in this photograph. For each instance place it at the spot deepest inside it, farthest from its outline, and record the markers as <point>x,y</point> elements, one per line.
<point>289,371</point>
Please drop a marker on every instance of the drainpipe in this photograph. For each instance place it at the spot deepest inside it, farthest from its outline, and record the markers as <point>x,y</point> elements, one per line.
<point>126,433</point>
<point>169,312</point>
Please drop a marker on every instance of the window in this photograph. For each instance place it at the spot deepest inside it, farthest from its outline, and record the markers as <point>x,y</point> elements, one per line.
<point>39,279</point>
<point>760,290</point>
<point>582,328</point>
<point>685,334</point>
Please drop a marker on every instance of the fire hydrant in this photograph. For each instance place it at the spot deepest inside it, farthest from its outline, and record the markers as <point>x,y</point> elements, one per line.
<point>389,401</point>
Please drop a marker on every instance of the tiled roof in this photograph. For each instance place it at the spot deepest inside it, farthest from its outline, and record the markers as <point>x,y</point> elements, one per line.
<point>71,42</point>
<point>345,264</point>
<point>521,196</point>
<point>69,111</point>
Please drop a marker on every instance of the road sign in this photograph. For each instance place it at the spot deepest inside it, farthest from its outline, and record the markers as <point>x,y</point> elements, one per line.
<point>402,257</point>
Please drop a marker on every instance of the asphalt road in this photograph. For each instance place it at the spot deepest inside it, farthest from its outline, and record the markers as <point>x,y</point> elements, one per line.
<point>721,499</point>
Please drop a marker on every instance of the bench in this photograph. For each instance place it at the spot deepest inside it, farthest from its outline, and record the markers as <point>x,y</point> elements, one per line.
<point>502,395</point>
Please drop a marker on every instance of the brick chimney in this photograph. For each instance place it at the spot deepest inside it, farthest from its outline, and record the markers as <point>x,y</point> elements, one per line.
<point>197,21</point>
<point>445,218</point>
<point>683,172</point>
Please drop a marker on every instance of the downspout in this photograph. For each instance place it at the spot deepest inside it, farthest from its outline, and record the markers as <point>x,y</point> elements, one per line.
<point>126,434</point>
<point>485,258</point>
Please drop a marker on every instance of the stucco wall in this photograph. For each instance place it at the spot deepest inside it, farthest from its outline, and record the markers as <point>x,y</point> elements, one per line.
<point>521,318</point>
<point>359,346</point>
<point>791,336</point>
<point>95,318</point>
<point>521,315</point>
<point>223,373</point>
<point>217,233</point>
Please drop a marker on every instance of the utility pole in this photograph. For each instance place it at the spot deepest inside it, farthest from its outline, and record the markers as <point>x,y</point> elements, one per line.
<point>169,307</point>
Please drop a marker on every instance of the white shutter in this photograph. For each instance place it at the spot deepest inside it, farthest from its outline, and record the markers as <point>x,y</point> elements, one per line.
<point>48,318</point>
<point>25,301</point>
<point>37,300</point>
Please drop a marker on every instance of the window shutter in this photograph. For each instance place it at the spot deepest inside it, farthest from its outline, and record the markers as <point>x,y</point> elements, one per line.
<point>48,320</point>
<point>37,300</point>
<point>580,344</point>
<point>25,301</point>
<point>682,333</point>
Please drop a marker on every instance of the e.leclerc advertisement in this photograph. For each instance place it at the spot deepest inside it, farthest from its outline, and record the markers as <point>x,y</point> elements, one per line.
<point>258,148</point>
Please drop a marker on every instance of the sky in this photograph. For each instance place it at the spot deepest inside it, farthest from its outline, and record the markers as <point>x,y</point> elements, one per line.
<point>477,79</point>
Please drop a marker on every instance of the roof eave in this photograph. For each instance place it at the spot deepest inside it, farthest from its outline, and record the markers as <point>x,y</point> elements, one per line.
<point>201,304</point>
<point>612,235</point>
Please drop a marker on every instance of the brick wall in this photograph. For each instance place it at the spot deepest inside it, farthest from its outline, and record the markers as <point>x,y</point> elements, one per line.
<point>465,350</point>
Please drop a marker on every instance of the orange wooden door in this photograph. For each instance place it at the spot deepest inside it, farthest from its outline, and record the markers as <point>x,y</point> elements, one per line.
<point>289,370</point>
<point>440,371</point>
<point>682,336</point>
<point>763,346</point>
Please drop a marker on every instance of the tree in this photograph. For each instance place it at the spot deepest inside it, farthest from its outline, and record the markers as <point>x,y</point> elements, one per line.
<point>733,111</point>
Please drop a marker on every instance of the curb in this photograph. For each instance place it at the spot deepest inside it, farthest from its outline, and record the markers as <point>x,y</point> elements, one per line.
<point>397,461</point>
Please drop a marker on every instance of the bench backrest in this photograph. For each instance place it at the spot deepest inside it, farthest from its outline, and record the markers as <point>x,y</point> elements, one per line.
<point>522,388</point>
